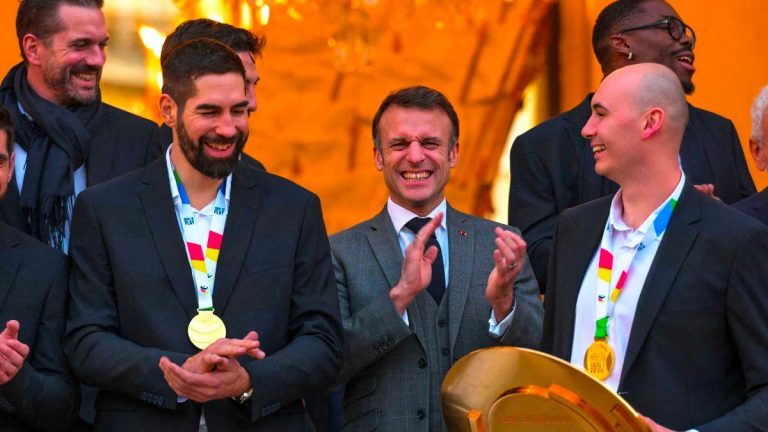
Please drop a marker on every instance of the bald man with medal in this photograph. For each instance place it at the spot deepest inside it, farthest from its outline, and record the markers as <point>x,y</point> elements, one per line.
<point>202,290</point>
<point>660,290</point>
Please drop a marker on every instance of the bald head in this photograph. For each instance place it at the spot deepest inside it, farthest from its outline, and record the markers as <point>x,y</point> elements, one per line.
<point>648,86</point>
<point>639,114</point>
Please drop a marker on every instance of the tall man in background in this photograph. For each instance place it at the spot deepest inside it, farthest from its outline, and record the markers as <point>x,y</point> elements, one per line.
<point>551,165</point>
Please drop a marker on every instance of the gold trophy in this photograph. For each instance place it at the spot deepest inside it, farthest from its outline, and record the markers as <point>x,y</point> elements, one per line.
<point>515,389</point>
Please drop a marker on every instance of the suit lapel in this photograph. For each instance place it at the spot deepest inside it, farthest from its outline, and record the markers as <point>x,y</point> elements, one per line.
<point>9,263</point>
<point>12,208</point>
<point>461,246</point>
<point>581,246</point>
<point>386,249</point>
<point>670,256</point>
<point>241,218</point>
<point>161,217</point>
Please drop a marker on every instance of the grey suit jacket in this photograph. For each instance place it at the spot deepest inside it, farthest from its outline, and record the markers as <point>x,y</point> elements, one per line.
<point>697,351</point>
<point>388,380</point>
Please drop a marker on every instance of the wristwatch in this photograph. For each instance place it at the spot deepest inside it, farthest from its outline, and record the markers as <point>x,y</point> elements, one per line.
<point>244,398</point>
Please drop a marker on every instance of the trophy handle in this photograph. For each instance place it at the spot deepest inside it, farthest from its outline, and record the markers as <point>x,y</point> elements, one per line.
<point>475,418</point>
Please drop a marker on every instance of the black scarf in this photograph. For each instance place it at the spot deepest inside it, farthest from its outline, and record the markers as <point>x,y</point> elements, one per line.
<point>57,144</point>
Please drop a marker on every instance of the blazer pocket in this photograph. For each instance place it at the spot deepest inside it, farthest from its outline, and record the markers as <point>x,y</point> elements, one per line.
<point>358,389</point>
<point>112,402</point>
<point>366,422</point>
<point>254,267</point>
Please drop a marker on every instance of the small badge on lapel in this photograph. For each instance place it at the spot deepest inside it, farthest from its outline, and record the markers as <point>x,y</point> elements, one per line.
<point>463,232</point>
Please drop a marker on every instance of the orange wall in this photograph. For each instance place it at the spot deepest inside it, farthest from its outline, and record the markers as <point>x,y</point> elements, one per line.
<point>9,54</point>
<point>731,57</point>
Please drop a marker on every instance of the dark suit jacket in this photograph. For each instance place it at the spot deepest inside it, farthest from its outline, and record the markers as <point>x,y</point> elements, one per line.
<point>553,169</point>
<point>755,206</point>
<point>133,297</point>
<point>386,384</point>
<point>33,291</point>
<point>122,142</point>
<point>697,350</point>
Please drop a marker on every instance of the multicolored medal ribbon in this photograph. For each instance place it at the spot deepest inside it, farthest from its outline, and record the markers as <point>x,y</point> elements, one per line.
<point>205,328</point>
<point>599,359</point>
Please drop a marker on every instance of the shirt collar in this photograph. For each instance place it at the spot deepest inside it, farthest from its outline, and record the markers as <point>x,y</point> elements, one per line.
<point>400,215</point>
<point>616,222</point>
<point>175,189</point>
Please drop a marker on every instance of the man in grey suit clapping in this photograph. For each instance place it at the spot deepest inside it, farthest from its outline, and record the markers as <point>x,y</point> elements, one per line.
<point>422,284</point>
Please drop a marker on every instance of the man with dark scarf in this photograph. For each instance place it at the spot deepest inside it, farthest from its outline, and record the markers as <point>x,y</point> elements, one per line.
<point>67,138</point>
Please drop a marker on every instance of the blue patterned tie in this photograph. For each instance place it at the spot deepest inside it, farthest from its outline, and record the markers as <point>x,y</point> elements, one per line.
<point>436,286</point>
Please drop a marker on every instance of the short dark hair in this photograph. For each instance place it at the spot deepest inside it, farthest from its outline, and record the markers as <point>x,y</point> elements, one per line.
<point>239,39</point>
<point>420,97</point>
<point>6,125</point>
<point>609,22</point>
<point>41,18</point>
<point>193,59</point>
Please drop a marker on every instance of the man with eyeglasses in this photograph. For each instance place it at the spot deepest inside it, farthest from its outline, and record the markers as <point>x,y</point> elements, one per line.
<point>552,165</point>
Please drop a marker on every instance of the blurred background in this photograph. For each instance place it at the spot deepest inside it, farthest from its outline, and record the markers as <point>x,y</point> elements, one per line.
<point>505,64</point>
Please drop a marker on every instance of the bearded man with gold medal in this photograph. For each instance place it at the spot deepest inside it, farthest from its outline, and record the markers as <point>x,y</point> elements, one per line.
<point>202,290</point>
<point>660,291</point>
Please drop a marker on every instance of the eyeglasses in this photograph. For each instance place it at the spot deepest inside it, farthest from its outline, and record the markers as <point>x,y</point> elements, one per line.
<point>675,27</point>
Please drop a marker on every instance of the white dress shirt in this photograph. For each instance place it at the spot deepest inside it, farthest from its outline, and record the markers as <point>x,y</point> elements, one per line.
<point>401,216</point>
<point>624,242</point>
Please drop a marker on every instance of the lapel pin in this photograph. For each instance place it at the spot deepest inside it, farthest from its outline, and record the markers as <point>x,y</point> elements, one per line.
<point>463,232</point>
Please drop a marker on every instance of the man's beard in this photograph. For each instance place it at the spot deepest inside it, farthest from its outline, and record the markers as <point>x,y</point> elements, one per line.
<point>59,80</point>
<point>217,168</point>
<point>688,86</point>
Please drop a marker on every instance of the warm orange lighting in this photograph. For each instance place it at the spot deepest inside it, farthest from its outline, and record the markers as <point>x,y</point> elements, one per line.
<point>293,13</point>
<point>246,16</point>
<point>159,80</point>
<point>152,39</point>
<point>264,15</point>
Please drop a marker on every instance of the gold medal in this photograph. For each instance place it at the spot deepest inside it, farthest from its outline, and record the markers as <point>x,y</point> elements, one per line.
<point>205,328</point>
<point>599,359</point>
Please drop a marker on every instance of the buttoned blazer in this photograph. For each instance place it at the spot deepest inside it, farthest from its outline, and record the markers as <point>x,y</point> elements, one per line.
<point>33,291</point>
<point>755,206</point>
<point>121,143</point>
<point>388,378</point>
<point>133,296</point>
<point>552,169</point>
<point>698,344</point>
